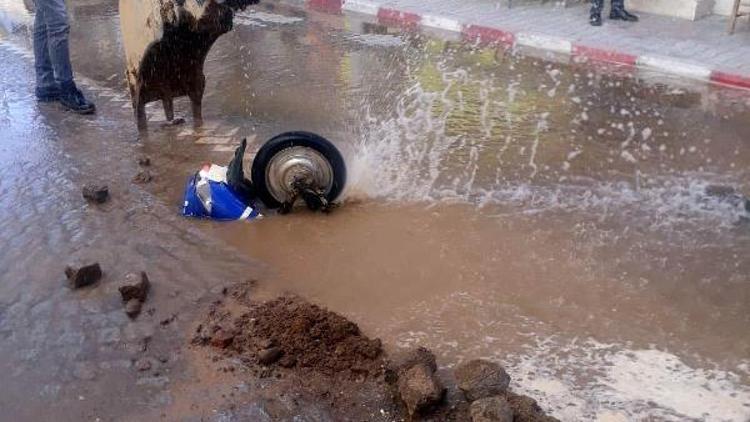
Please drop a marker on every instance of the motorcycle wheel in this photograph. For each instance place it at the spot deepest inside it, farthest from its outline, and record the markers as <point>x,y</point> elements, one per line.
<point>294,159</point>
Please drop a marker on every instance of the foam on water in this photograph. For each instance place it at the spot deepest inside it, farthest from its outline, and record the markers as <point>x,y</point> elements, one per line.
<point>577,379</point>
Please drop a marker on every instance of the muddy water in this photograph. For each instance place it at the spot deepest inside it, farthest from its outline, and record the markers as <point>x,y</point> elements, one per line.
<point>549,215</point>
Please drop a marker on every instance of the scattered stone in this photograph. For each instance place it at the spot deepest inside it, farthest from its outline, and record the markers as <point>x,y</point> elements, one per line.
<point>136,287</point>
<point>143,177</point>
<point>222,339</point>
<point>481,378</point>
<point>144,161</point>
<point>167,321</point>
<point>287,361</point>
<point>269,356</point>
<point>403,361</point>
<point>491,409</point>
<point>133,308</point>
<point>83,276</point>
<point>419,389</point>
<point>96,193</point>
<point>526,409</point>
<point>720,191</point>
<point>143,364</point>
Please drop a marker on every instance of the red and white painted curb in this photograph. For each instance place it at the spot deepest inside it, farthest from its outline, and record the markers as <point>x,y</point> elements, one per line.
<point>509,39</point>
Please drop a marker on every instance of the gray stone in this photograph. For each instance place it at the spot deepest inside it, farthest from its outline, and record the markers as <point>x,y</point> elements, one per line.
<point>133,308</point>
<point>481,378</point>
<point>84,275</point>
<point>142,177</point>
<point>405,360</point>
<point>96,193</point>
<point>269,356</point>
<point>419,389</point>
<point>136,287</point>
<point>491,409</point>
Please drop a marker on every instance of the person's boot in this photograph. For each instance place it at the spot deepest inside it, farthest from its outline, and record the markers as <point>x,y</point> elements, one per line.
<point>618,12</point>
<point>72,98</point>
<point>47,95</point>
<point>595,19</point>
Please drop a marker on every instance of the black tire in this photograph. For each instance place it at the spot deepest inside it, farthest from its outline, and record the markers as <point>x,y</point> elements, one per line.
<point>295,139</point>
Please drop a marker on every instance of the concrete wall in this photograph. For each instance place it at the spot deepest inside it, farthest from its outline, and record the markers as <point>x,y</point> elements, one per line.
<point>685,9</point>
<point>722,7</point>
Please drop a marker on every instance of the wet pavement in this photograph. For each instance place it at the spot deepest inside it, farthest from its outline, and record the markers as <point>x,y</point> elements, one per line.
<point>551,216</point>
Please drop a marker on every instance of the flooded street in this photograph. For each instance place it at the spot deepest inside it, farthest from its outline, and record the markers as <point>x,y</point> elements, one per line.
<point>547,214</point>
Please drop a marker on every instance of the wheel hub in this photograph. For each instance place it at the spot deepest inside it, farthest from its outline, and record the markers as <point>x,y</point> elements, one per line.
<point>295,169</point>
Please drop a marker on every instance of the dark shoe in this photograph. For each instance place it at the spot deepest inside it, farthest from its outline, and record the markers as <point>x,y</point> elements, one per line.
<point>47,95</point>
<point>72,98</point>
<point>622,15</point>
<point>595,20</point>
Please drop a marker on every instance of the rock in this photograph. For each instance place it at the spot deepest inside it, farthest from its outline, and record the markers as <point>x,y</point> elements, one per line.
<point>491,409</point>
<point>143,177</point>
<point>419,389</point>
<point>403,361</point>
<point>526,409</point>
<point>137,287</point>
<point>133,308</point>
<point>481,378</point>
<point>720,191</point>
<point>144,161</point>
<point>83,276</point>
<point>266,343</point>
<point>143,364</point>
<point>222,339</point>
<point>269,356</point>
<point>287,361</point>
<point>96,193</point>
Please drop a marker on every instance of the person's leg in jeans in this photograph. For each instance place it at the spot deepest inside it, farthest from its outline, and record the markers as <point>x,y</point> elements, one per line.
<point>46,87</point>
<point>595,18</point>
<point>54,17</point>
<point>618,12</point>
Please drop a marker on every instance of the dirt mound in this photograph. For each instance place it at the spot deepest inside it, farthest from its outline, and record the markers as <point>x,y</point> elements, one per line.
<point>308,336</point>
<point>322,359</point>
<point>289,332</point>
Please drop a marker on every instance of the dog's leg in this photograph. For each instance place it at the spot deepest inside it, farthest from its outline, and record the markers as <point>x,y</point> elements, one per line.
<point>196,99</point>
<point>168,104</point>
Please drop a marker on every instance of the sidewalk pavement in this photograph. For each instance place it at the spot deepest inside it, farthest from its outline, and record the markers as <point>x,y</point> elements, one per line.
<point>695,49</point>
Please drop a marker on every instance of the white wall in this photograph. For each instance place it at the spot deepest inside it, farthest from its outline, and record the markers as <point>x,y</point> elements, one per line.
<point>685,9</point>
<point>722,7</point>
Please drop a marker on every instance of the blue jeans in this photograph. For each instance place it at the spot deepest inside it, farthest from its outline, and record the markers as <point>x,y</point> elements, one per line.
<point>51,55</point>
<point>598,5</point>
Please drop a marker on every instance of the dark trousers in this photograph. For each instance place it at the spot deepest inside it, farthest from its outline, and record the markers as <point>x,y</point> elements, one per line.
<point>598,5</point>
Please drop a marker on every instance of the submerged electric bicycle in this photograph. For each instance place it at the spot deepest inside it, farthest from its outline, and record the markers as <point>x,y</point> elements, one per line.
<point>290,168</point>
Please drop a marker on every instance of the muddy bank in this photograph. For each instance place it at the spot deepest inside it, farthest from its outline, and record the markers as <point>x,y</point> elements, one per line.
<point>332,371</point>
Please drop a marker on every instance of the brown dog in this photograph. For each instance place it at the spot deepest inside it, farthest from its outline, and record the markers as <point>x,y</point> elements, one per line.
<point>166,44</point>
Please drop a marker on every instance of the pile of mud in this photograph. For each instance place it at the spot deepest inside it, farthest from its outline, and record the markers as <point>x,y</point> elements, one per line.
<point>324,360</point>
<point>306,336</point>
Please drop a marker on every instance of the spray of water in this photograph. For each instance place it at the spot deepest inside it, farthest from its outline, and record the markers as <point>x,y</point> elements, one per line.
<point>456,137</point>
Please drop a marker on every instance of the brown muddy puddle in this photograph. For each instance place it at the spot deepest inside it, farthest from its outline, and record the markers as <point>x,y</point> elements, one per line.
<point>551,216</point>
